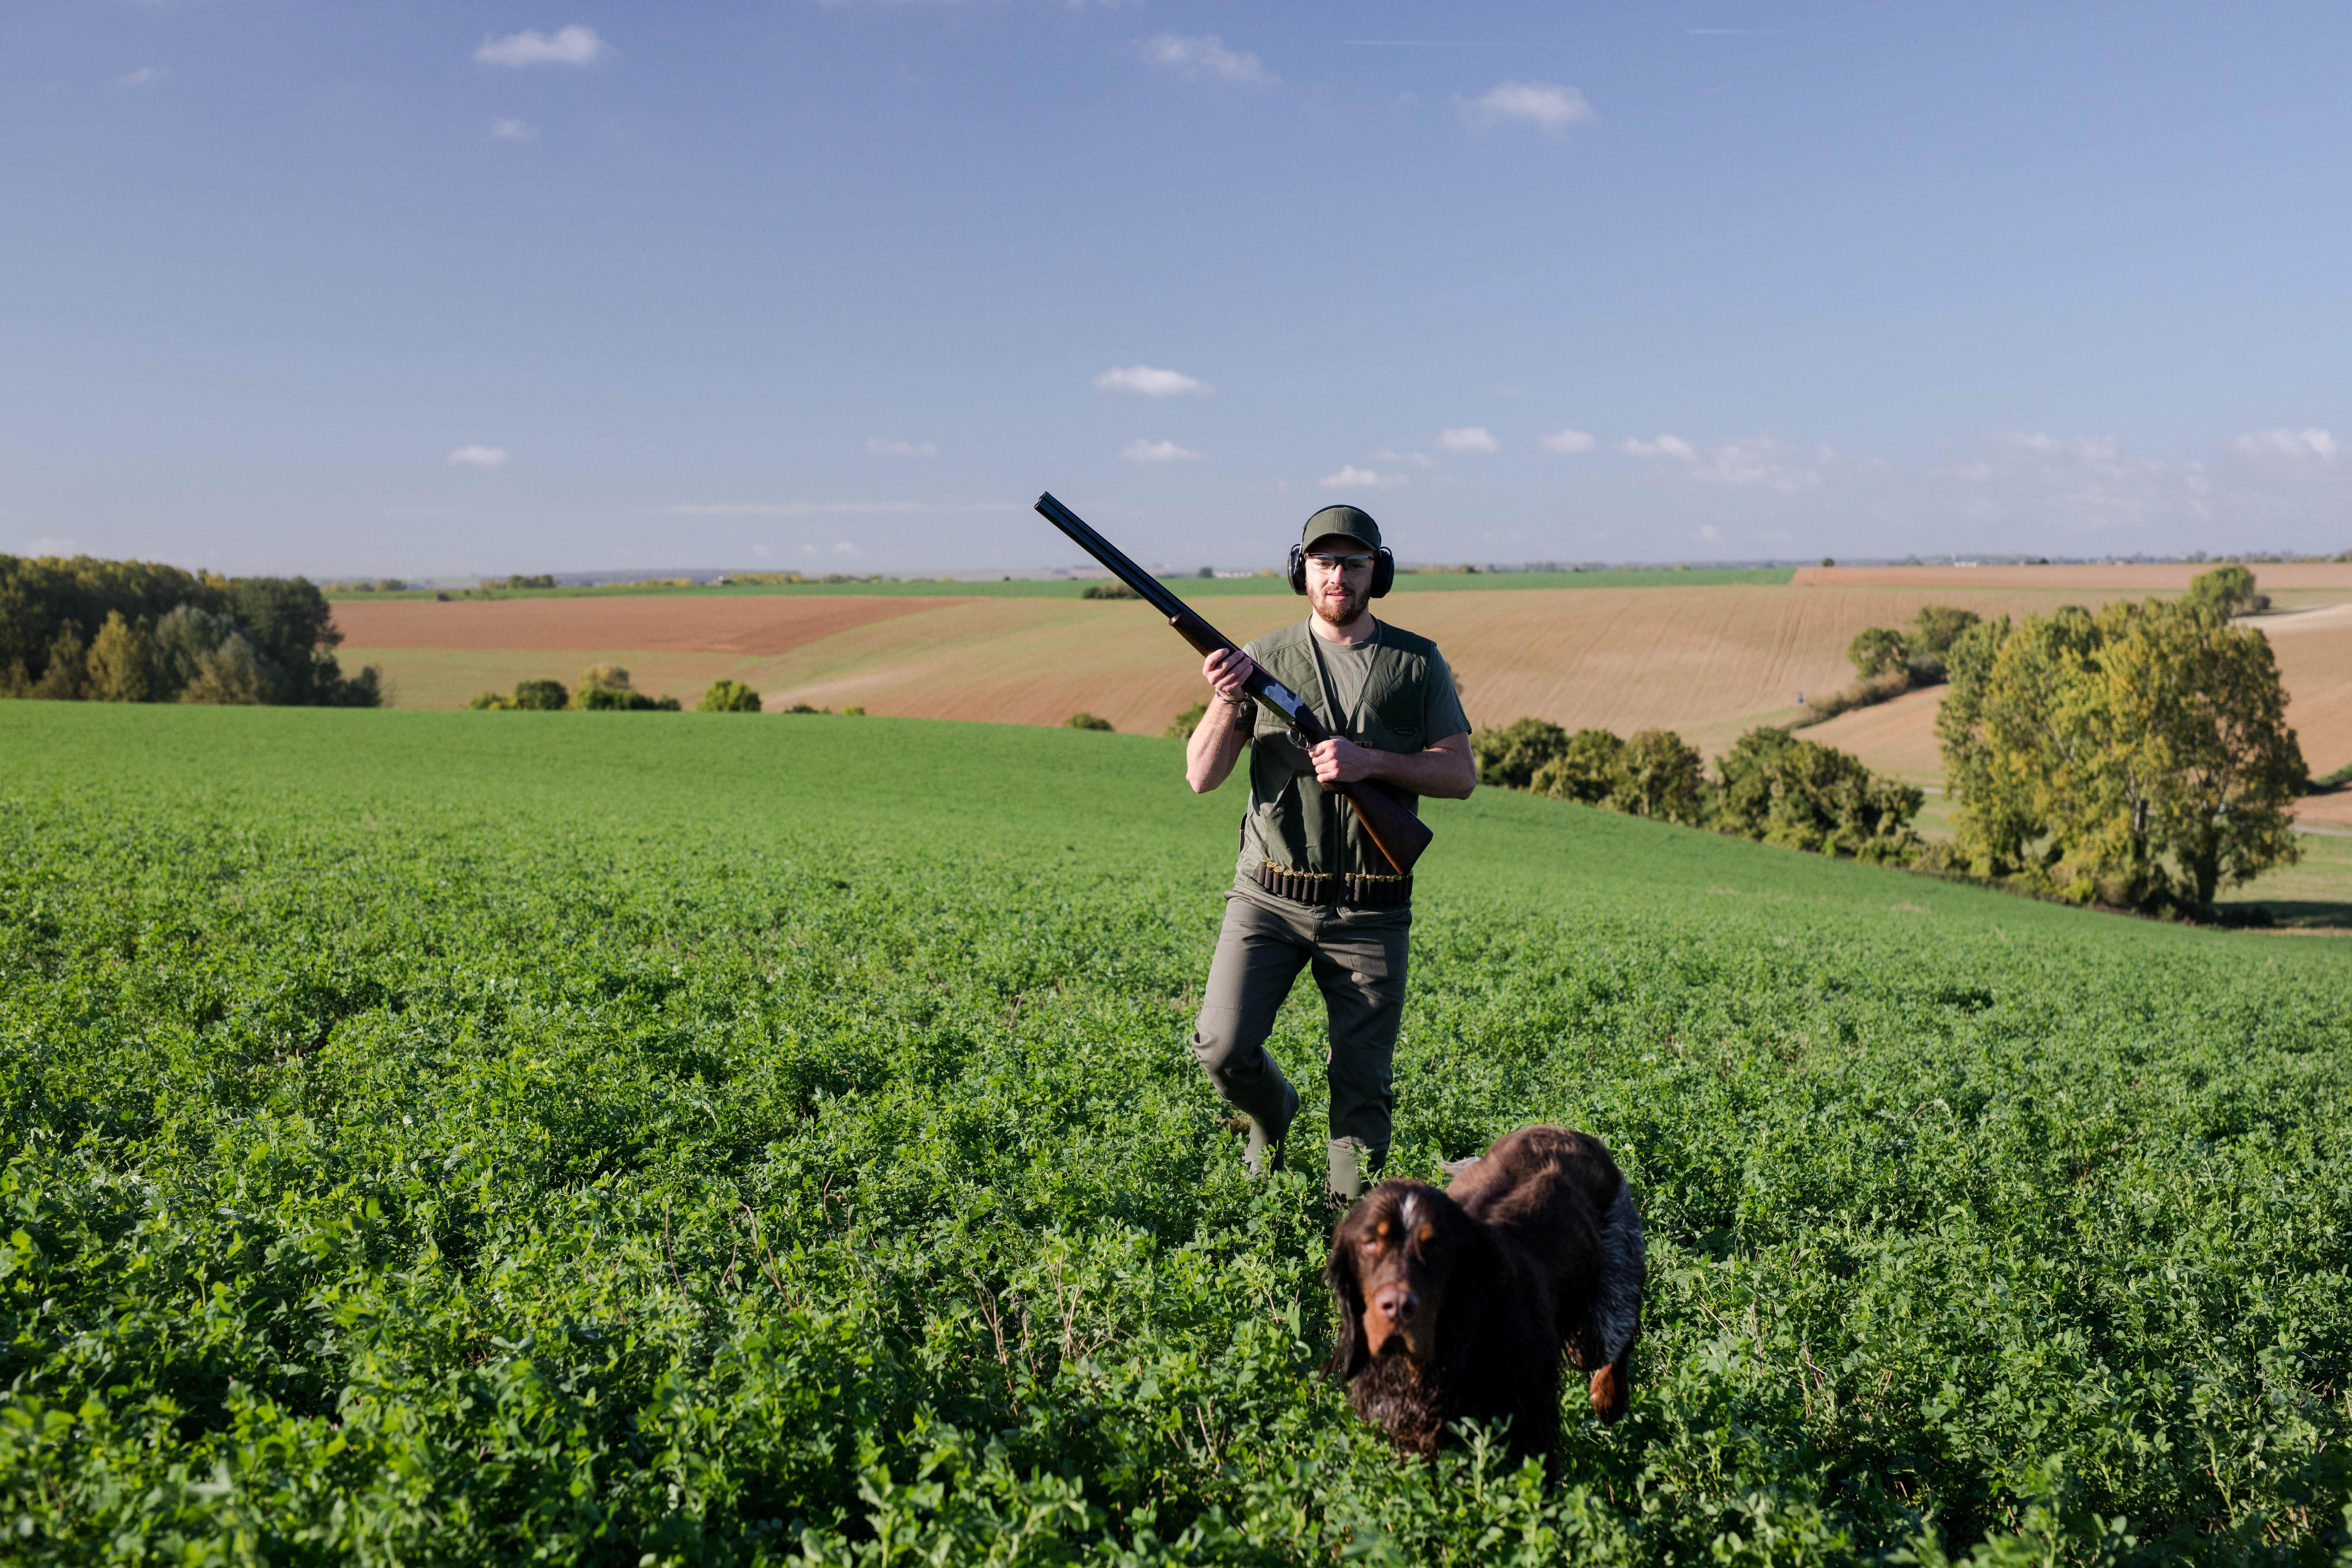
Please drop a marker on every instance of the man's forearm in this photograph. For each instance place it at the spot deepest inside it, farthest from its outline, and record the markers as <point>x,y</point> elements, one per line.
<point>1216,744</point>
<point>1438,771</point>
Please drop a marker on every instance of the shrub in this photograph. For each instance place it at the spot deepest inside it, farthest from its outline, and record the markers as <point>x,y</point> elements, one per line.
<point>1876,650</point>
<point>855,710</point>
<point>806,707</point>
<point>1937,628</point>
<point>540,696</point>
<point>620,700</point>
<point>2227,591</point>
<point>729,696</point>
<point>1084,721</point>
<point>1180,727</point>
<point>1109,591</point>
<point>606,675</point>
<point>1591,768</point>
<point>491,701</point>
<point>1508,757</point>
<point>1662,777</point>
<point>1775,788</point>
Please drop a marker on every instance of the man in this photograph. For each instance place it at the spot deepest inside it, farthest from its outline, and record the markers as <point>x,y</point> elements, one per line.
<point>1311,888</point>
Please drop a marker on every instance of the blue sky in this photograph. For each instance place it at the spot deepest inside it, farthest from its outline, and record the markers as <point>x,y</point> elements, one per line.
<point>408,288</point>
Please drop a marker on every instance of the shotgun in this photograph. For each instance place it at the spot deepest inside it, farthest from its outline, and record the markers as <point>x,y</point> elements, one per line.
<point>1400,834</point>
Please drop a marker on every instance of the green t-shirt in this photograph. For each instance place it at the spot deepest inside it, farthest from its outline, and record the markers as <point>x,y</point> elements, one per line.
<point>1393,693</point>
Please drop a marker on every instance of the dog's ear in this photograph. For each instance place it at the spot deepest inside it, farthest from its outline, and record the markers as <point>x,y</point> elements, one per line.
<point>1349,1354</point>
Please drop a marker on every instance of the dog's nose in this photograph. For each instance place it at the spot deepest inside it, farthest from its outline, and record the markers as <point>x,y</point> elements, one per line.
<point>1397,1303</point>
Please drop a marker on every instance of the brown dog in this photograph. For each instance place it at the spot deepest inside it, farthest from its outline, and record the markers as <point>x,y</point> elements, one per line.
<point>1458,1304</point>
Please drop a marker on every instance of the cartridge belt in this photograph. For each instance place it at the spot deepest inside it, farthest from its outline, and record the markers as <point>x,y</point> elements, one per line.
<point>1362,892</point>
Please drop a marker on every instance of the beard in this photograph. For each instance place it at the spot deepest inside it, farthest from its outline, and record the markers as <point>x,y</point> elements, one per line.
<point>1348,614</point>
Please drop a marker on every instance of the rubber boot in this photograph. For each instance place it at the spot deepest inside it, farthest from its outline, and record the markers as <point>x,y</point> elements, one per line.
<point>1263,1151</point>
<point>1350,1163</point>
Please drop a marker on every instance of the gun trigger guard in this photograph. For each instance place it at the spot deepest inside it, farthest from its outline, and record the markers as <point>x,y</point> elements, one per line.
<point>1295,739</point>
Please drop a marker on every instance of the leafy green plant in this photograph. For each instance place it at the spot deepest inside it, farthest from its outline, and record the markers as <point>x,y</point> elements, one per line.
<point>729,696</point>
<point>1084,721</point>
<point>485,1159</point>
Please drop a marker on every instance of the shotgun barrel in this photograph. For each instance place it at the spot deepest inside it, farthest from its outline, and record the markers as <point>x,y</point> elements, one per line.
<point>1400,834</point>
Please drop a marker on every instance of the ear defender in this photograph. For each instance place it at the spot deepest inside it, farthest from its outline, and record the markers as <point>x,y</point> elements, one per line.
<point>1383,570</point>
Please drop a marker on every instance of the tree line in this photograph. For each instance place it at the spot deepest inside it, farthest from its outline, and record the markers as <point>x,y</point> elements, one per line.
<point>1769,786</point>
<point>138,631</point>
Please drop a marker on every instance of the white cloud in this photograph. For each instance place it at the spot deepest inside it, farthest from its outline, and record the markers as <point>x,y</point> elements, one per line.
<point>1148,381</point>
<point>480,457</point>
<point>145,76</point>
<point>572,45</point>
<point>1663,446</point>
<point>2087,481</point>
<point>52,547</point>
<point>882,448</point>
<point>1422,459</point>
<point>514,131</point>
<point>830,507</point>
<point>1157,452</point>
<point>844,548</point>
<point>1710,534</point>
<point>1750,463</point>
<point>1549,109</point>
<point>2295,445</point>
<point>1469,438</point>
<point>1352,477</point>
<point>1567,441</point>
<point>1206,56</point>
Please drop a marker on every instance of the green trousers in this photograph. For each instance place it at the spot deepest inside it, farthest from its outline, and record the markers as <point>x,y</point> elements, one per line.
<point>1359,960</point>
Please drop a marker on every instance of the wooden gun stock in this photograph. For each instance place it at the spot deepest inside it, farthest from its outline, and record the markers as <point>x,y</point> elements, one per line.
<point>1399,834</point>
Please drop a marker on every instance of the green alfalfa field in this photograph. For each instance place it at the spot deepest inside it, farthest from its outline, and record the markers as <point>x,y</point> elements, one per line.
<point>673,1138</point>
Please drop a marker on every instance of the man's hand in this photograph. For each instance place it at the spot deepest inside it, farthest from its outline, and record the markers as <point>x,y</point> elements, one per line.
<point>1228,669</point>
<point>1339,761</point>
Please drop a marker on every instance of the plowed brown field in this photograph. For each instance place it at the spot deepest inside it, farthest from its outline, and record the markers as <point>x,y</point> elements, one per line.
<point>1709,661</point>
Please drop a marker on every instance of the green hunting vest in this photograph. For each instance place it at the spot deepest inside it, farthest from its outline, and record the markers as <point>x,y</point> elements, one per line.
<point>1408,704</point>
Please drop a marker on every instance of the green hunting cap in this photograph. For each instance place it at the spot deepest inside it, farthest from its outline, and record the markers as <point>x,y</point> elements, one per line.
<point>1351,521</point>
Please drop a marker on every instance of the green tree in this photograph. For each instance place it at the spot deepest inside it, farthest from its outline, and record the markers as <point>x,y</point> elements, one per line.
<point>236,674</point>
<point>1876,651</point>
<point>1589,768</point>
<point>729,696</point>
<point>1084,721</point>
<point>1508,757</point>
<point>121,661</point>
<point>64,672</point>
<point>1806,796</point>
<point>2226,591</point>
<point>2140,756</point>
<point>540,696</point>
<point>1937,628</point>
<point>1662,777</point>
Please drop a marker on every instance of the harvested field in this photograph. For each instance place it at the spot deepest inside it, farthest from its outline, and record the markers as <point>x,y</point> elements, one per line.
<point>1709,659</point>
<point>764,624</point>
<point>2294,584</point>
